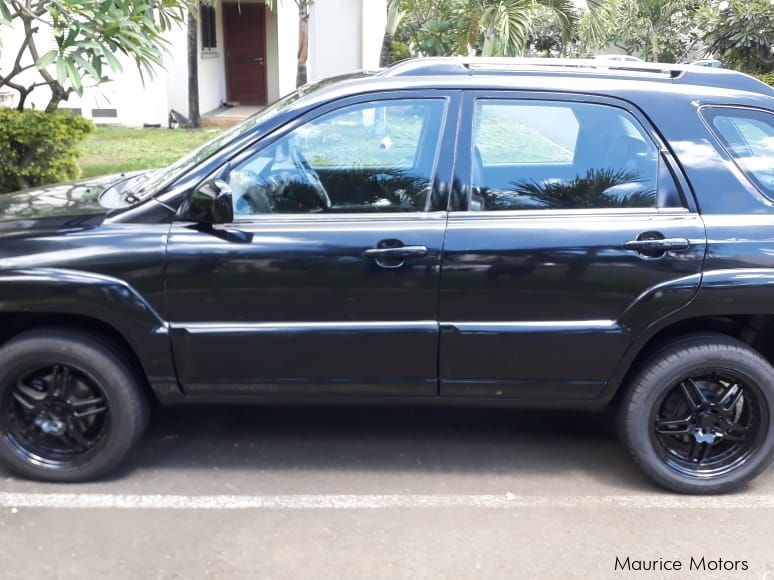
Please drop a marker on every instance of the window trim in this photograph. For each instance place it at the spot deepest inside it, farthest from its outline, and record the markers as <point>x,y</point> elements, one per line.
<point>440,175</point>
<point>721,146</point>
<point>462,192</point>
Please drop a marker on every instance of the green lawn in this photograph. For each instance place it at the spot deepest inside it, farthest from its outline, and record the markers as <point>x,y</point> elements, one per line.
<point>116,149</point>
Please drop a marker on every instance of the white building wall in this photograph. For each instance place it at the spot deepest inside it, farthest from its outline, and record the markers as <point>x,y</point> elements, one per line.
<point>344,36</point>
<point>287,47</point>
<point>374,19</point>
<point>212,71</point>
<point>335,38</point>
<point>272,57</point>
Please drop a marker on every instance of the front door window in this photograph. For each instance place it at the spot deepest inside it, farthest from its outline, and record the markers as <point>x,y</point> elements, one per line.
<point>369,157</point>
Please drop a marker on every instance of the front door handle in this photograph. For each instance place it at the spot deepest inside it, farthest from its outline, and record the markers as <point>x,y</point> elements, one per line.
<point>399,253</point>
<point>658,244</point>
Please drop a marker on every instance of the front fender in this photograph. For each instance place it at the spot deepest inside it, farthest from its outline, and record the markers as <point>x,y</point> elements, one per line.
<point>96,296</point>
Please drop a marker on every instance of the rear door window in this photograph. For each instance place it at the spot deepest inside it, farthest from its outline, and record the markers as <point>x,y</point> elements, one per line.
<point>748,136</point>
<point>542,155</point>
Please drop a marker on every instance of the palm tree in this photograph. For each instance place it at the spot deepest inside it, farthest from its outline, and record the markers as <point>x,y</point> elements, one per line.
<point>648,21</point>
<point>504,24</point>
<point>303,40</point>
<point>595,189</point>
<point>194,115</point>
<point>394,16</point>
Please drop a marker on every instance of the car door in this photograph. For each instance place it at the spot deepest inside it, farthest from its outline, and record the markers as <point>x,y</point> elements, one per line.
<point>570,232</point>
<point>327,281</point>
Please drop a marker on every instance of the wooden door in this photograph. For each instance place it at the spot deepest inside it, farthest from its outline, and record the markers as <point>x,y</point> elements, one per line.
<point>244,28</point>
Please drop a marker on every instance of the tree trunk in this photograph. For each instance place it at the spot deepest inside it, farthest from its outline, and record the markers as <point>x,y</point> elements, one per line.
<point>384,55</point>
<point>194,115</point>
<point>303,43</point>
<point>489,37</point>
<point>58,94</point>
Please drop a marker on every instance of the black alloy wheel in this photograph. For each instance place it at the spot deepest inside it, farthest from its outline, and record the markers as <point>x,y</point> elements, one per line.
<point>56,415</point>
<point>72,404</point>
<point>710,424</point>
<point>696,414</point>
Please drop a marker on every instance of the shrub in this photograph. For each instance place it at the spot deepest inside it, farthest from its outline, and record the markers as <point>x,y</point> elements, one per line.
<point>399,51</point>
<point>37,148</point>
<point>767,78</point>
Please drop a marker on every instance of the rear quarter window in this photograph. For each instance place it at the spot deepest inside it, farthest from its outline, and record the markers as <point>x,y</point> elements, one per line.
<point>748,137</point>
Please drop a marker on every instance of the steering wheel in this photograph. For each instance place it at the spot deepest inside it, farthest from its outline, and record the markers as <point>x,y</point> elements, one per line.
<point>311,176</point>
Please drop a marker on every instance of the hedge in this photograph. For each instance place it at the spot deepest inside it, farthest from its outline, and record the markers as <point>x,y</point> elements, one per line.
<point>37,148</point>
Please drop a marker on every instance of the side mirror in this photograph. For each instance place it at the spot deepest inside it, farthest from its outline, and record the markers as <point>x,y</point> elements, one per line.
<point>210,203</point>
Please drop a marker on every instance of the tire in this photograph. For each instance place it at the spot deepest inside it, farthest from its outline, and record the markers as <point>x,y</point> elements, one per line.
<point>706,441</point>
<point>71,405</point>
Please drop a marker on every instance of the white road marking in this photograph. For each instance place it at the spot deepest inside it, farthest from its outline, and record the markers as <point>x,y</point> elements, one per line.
<point>336,501</point>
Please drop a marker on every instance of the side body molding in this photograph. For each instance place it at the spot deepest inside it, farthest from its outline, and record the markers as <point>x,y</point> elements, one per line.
<point>104,298</point>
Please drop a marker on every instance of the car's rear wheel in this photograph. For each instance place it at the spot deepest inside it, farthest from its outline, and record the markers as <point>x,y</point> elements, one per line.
<point>71,407</point>
<point>697,416</point>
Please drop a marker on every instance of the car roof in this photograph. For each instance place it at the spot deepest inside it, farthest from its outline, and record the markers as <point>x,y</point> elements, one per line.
<point>627,80</point>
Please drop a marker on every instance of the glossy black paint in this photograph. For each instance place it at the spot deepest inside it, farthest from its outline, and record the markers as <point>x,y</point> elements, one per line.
<point>520,308</point>
<point>296,305</point>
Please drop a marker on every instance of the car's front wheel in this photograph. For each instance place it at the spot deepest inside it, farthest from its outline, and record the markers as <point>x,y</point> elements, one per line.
<point>70,406</point>
<point>697,416</point>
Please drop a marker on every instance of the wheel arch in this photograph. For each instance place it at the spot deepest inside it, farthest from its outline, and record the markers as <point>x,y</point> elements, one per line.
<point>101,305</point>
<point>755,330</point>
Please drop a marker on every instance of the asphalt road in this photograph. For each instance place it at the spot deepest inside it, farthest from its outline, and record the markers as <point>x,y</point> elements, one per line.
<point>364,493</point>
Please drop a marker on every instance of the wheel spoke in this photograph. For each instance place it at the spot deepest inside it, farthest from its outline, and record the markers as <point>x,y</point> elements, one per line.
<point>696,450</point>
<point>693,393</point>
<point>89,412</point>
<point>731,399</point>
<point>78,403</point>
<point>736,432</point>
<point>75,435</point>
<point>673,426</point>
<point>28,397</point>
<point>707,447</point>
<point>61,381</point>
<point>87,407</point>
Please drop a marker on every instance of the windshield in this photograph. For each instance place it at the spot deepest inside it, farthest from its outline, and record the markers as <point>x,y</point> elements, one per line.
<point>160,179</point>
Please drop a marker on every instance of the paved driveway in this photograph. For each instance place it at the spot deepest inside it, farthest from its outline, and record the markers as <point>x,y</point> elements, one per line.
<point>353,492</point>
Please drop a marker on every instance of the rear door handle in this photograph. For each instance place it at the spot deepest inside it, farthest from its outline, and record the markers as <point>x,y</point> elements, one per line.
<point>399,253</point>
<point>659,245</point>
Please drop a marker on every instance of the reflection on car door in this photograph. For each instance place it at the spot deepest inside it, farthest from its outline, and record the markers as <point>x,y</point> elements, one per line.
<point>572,226</point>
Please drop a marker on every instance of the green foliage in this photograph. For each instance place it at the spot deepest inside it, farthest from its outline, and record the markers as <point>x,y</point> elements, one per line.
<point>399,51</point>
<point>547,36</point>
<point>486,27</point>
<point>37,148</point>
<point>659,30</point>
<point>742,33</point>
<point>89,34</point>
<point>767,78</point>
<point>429,27</point>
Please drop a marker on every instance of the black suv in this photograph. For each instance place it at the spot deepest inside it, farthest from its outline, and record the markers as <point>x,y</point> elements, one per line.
<point>539,233</point>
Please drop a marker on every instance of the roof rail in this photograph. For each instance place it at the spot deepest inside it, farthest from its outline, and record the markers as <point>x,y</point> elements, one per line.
<point>676,73</point>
